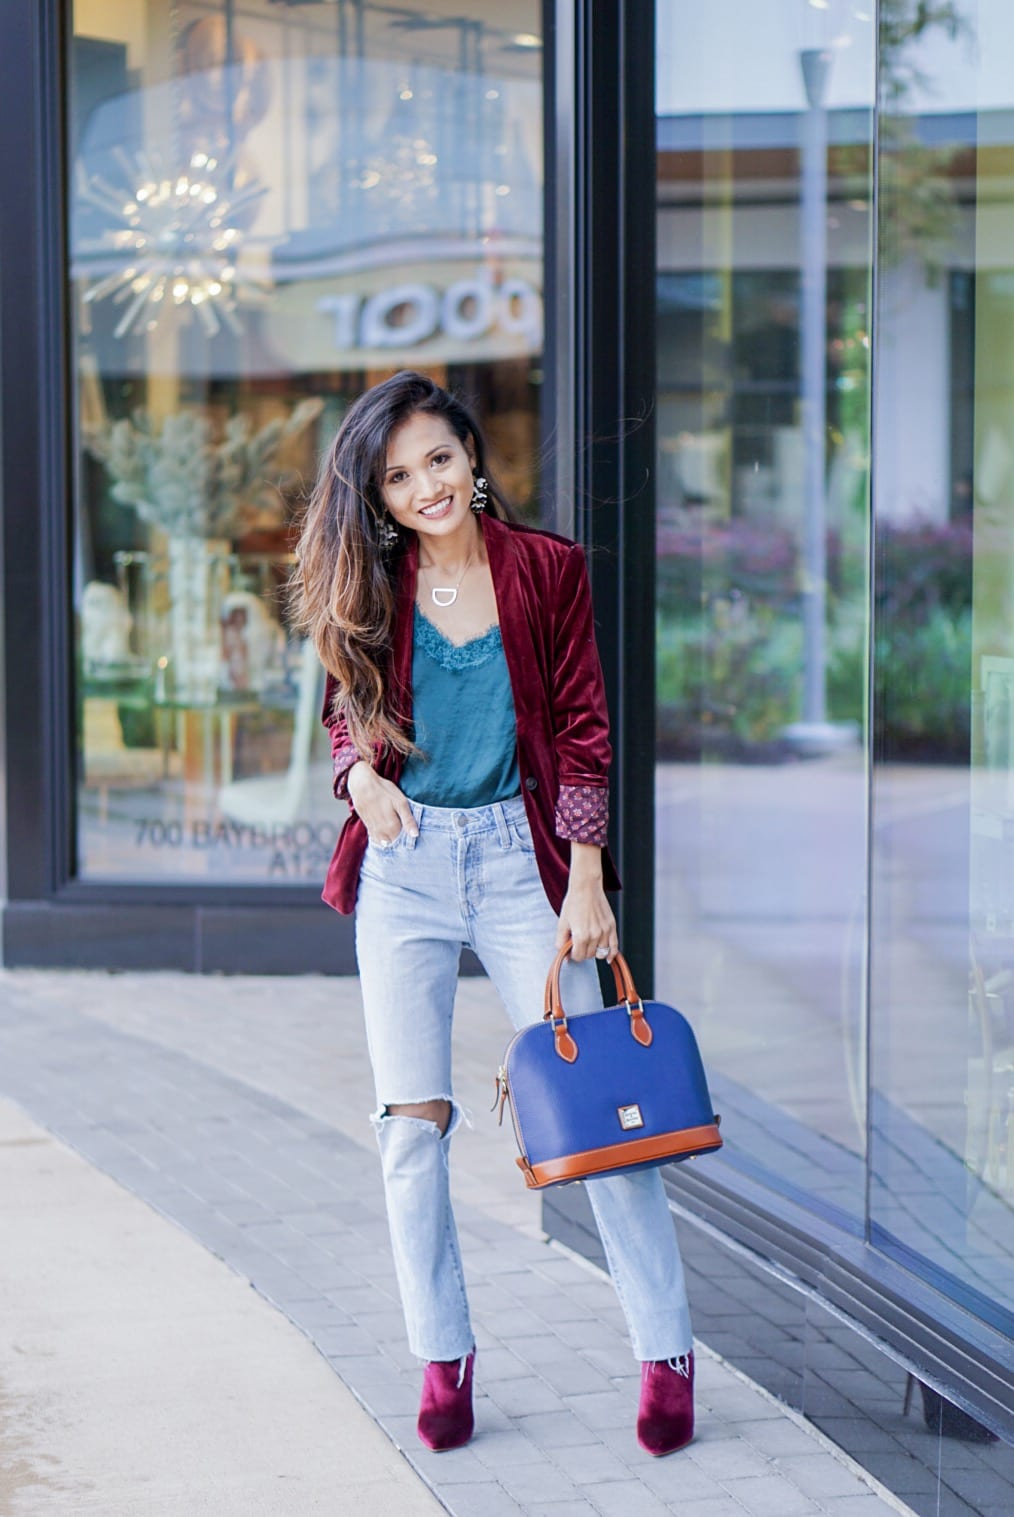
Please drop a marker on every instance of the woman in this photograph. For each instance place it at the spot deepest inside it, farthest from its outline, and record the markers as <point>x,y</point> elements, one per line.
<point>470,737</point>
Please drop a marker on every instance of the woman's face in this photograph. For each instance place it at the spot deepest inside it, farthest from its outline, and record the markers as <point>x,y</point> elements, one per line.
<point>428,485</point>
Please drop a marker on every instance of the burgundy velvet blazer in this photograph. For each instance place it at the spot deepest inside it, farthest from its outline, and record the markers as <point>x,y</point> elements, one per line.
<point>544,602</point>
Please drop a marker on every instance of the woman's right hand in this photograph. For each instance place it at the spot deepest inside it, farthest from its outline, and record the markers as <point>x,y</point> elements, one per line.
<point>384,808</point>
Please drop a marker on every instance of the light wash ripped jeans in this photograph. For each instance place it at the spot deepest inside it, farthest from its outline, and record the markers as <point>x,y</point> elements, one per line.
<point>471,877</point>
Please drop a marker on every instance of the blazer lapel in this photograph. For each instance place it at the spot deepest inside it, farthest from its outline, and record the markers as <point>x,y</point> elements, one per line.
<point>524,663</point>
<point>401,652</point>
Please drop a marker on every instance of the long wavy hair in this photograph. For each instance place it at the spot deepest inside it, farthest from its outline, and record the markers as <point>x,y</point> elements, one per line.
<point>344,581</point>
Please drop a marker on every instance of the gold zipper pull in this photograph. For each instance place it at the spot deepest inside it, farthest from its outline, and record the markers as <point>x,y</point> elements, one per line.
<point>501,1094</point>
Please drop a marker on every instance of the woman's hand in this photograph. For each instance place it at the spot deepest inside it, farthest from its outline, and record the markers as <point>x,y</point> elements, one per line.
<point>384,808</point>
<point>586,915</point>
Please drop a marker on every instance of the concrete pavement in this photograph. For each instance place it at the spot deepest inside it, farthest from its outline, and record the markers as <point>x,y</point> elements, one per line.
<point>141,1378</point>
<point>140,1375</point>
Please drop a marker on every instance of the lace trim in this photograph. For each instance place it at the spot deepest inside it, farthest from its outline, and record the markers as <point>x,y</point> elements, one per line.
<point>478,650</point>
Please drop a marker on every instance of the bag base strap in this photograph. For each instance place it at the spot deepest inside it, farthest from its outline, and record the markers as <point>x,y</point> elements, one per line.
<point>596,1161</point>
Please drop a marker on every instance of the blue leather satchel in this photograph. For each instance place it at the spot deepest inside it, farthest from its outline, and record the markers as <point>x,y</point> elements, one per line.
<point>605,1091</point>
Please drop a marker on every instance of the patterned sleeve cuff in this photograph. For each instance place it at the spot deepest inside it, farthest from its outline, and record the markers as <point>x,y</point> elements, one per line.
<point>341,762</point>
<point>582,814</point>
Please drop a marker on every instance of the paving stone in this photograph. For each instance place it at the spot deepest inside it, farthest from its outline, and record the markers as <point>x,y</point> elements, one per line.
<point>500,1364</point>
<point>386,1399</point>
<point>615,1364</point>
<point>386,1325</point>
<point>771,1496</point>
<point>484,1500</point>
<point>589,1463</point>
<point>561,1509</point>
<point>538,1482</point>
<point>675,1478</point>
<point>323,1275</point>
<point>819,1476</point>
<point>571,1375</point>
<point>868,1504</point>
<point>519,1320</point>
<point>625,1498</point>
<point>521,1397</point>
<point>858,1435</point>
<point>905,1476</point>
<point>554,1430</point>
<point>591,1332</point>
<point>342,1341</point>
<point>775,1437</point>
<point>600,1410</point>
<point>452,1468</point>
<point>738,1403</point>
<point>243,1212</point>
<point>726,1458</point>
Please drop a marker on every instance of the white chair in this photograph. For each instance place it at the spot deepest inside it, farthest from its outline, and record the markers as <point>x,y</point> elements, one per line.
<point>266,799</point>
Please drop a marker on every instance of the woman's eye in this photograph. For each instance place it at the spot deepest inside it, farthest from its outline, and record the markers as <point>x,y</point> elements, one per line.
<point>440,459</point>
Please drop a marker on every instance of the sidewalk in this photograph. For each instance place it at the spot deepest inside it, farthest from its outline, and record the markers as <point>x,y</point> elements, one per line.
<point>141,1375</point>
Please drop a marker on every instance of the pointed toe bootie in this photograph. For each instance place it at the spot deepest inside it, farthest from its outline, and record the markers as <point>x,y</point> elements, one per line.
<point>665,1417</point>
<point>445,1409</point>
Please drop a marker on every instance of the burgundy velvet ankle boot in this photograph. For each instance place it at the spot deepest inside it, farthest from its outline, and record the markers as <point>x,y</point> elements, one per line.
<point>665,1417</point>
<point>445,1409</point>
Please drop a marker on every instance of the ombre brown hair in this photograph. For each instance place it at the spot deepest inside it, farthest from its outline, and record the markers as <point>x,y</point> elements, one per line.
<point>345,576</point>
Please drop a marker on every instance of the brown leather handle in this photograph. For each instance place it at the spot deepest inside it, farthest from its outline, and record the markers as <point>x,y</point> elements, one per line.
<point>625,988</point>
<point>626,991</point>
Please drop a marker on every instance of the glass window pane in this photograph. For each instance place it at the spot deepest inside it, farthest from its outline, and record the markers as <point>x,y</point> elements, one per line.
<point>271,207</point>
<point>764,239</point>
<point>942,1100</point>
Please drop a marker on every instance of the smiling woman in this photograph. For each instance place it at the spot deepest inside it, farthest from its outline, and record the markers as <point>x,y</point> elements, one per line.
<point>469,827</point>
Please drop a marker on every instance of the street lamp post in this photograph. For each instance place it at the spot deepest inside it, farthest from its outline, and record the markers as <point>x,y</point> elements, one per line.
<point>814,733</point>
<point>816,65</point>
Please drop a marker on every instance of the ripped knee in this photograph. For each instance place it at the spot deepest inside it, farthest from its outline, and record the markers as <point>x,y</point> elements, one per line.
<point>438,1112</point>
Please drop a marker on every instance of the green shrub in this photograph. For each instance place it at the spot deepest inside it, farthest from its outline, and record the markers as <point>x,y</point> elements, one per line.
<point>923,675</point>
<point>727,680</point>
<point>730,665</point>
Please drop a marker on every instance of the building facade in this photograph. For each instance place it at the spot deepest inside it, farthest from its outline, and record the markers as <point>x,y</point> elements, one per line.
<point>731,288</point>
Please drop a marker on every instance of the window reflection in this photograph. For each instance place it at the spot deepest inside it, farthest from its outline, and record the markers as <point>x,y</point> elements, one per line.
<point>942,1146</point>
<point>271,206</point>
<point>764,235</point>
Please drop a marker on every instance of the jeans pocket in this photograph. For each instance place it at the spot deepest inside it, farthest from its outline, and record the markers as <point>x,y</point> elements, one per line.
<point>521,833</point>
<point>379,851</point>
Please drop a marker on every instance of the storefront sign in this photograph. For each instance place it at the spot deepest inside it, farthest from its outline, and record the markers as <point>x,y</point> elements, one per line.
<point>404,315</point>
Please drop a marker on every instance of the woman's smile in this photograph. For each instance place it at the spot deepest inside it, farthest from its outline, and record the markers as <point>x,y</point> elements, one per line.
<point>439,508</point>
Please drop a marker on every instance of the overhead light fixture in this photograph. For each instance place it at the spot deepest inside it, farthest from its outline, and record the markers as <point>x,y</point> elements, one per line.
<point>177,240</point>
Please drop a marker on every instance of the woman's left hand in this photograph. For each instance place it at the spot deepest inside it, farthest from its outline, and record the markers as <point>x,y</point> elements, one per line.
<point>586,915</point>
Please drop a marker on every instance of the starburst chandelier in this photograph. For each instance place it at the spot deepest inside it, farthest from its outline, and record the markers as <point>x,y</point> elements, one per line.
<point>177,239</point>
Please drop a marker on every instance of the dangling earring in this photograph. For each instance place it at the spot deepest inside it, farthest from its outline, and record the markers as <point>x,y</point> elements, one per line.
<point>387,532</point>
<point>479,495</point>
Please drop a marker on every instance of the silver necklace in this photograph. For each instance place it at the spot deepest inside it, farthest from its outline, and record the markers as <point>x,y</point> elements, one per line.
<point>437,592</point>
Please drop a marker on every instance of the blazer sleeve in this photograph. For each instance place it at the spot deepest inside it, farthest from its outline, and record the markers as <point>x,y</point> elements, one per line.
<point>580,716</point>
<point>343,753</point>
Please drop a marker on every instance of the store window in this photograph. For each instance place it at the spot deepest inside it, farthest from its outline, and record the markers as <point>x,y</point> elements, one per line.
<point>942,955</point>
<point>764,234</point>
<point>271,206</point>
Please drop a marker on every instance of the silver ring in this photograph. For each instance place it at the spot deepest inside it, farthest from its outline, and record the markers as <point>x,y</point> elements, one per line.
<point>602,953</point>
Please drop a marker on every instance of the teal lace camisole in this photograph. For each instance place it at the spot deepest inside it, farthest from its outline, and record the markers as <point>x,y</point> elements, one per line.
<point>464,721</point>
